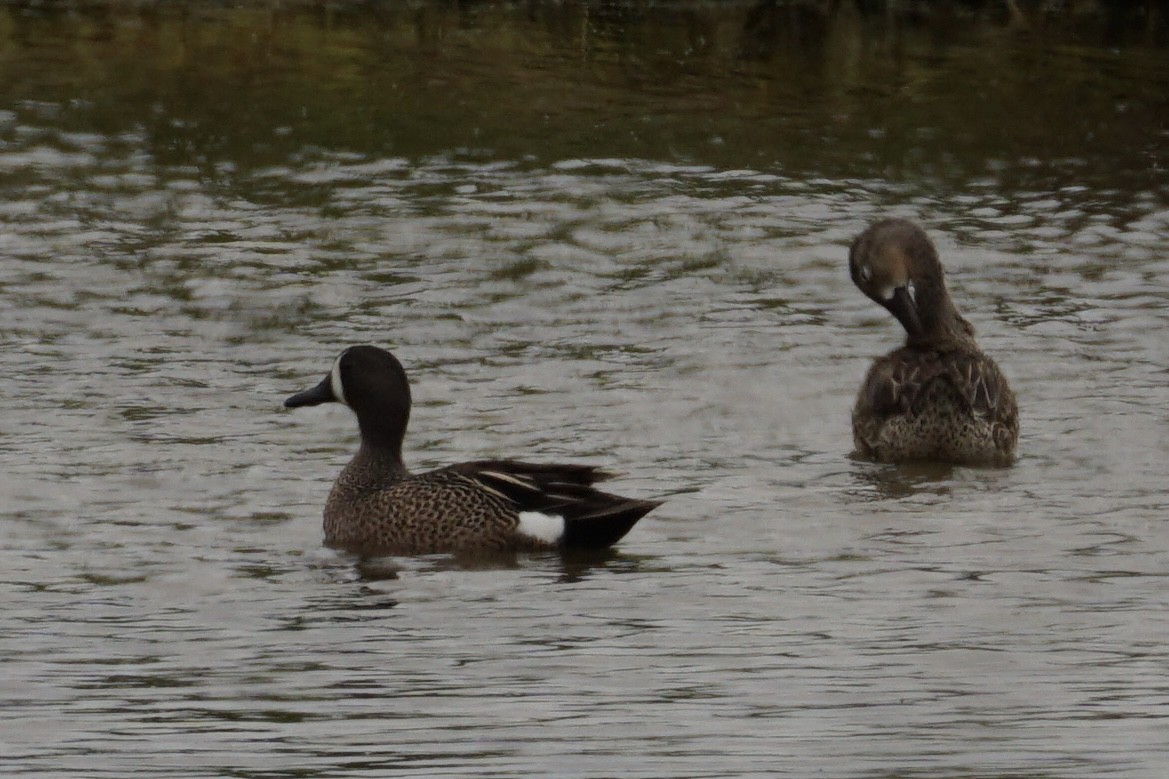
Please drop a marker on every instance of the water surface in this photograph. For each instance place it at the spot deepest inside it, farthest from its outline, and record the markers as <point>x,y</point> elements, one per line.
<point>610,233</point>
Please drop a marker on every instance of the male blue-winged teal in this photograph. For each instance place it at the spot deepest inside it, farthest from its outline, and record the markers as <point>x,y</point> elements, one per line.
<point>938,397</point>
<point>376,506</point>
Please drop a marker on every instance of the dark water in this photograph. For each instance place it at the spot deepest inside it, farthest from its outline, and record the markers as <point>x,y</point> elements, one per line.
<point>607,232</point>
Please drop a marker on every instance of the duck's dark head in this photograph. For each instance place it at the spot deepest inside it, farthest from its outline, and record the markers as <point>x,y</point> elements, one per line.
<point>373,383</point>
<point>895,263</point>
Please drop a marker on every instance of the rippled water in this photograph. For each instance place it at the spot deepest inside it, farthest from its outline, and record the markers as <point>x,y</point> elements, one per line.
<point>682,314</point>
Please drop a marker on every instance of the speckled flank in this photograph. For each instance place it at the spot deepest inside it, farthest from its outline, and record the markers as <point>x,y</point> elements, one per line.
<point>938,397</point>
<point>377,507</point>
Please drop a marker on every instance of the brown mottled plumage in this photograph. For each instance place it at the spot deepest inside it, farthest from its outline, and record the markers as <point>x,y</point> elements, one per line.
<point>938,397</point>
<point>376,506</point>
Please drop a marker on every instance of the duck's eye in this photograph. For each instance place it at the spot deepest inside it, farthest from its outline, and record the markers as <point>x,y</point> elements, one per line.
<point>866,273</point>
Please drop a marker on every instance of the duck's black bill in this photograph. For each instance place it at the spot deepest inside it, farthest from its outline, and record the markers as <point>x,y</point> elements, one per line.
<point>322,393</point>
<point>903,306</point>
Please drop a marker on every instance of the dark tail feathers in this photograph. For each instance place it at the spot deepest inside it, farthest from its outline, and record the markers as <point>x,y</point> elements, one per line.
<point>593,519</point>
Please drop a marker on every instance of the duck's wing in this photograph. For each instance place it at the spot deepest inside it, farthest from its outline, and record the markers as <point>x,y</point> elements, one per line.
<point>984,389</point>
<point>909,382</point>
<point>592,518</point>
<point>895,383</point>
<point>899,382</point>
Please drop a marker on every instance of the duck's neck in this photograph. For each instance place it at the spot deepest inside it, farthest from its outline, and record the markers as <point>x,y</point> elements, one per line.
<point>939,317</point>
<point>383,434</point>
<point>373,467</point>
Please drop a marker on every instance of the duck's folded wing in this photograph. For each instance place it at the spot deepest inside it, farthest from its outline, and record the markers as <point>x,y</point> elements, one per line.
<point>533,486</point>
<point>901,382</point>
<point>895,384</point>
<point>982,386</point>
<point>592,518</point>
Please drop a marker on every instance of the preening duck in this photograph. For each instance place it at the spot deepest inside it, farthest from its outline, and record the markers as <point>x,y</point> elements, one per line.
<point>938,397</point>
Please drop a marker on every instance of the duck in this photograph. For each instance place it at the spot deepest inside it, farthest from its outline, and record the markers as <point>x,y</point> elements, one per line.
<point>378,507</point>
<point>938,398</point>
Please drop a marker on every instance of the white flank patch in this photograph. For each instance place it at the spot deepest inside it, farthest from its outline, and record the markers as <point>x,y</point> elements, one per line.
<point>335,381</point>
<point>548,528</point>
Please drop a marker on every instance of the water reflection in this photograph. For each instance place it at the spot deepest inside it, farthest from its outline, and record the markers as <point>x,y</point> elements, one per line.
<point>571,567</point>
<point>901,480</point>
<point>934,95</point>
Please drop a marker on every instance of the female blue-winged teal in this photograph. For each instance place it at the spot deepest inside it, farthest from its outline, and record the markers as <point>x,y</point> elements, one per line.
<point>938,397</point>
<point>378,507</point>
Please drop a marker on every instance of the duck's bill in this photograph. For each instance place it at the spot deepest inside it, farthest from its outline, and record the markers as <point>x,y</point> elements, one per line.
<point>322,393</point>
<point>904,307</point>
